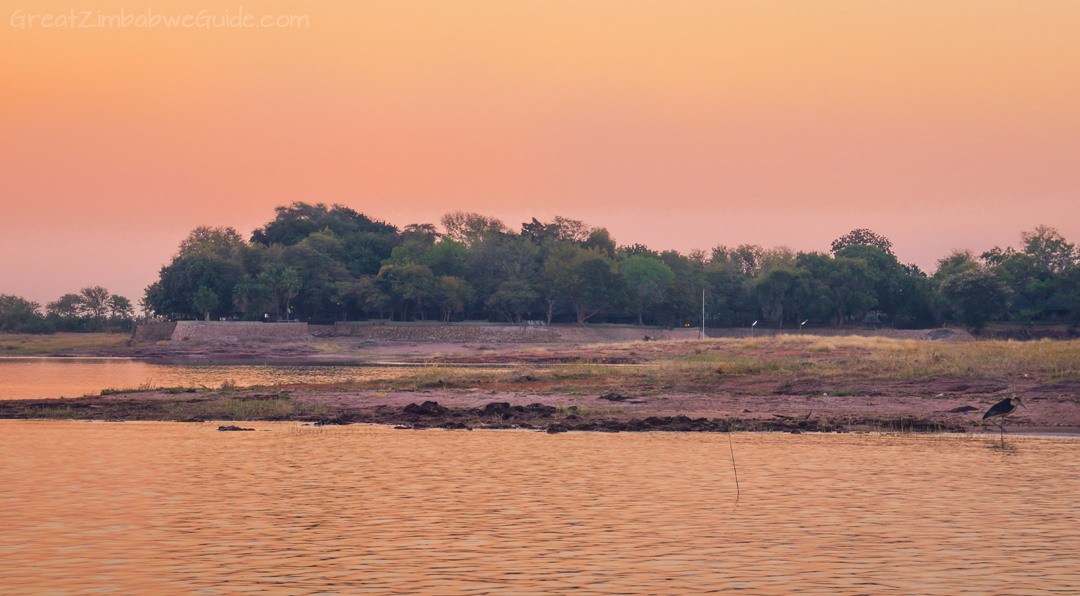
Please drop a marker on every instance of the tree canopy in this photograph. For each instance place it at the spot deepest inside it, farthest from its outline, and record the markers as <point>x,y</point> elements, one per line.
<point>331,262</point>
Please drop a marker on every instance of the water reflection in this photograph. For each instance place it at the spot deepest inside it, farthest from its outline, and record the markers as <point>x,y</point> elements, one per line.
<point>162,508</point>
<point>32,378</point>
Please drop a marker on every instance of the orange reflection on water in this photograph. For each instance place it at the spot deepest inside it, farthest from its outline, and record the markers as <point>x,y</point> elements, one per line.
<point>155,508</point>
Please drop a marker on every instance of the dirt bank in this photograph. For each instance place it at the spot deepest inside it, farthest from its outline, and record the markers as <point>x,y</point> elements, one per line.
<point>789,382</point>
<point>960,410</point>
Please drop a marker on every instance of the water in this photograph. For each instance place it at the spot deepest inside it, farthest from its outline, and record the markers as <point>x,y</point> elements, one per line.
<point>173,508</point>
<point>33,378</point>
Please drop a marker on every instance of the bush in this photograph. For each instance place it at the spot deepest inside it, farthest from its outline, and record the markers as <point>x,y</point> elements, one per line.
<point>19,315</point>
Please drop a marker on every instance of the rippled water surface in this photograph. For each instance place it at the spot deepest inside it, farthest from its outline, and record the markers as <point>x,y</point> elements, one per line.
<point>32,378</point>
<point>173,508</point>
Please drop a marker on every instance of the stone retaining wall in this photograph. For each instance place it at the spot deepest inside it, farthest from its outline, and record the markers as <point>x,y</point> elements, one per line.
<point>153,332</point>
<point>449,333</point>
<point>216,330</point>
<point>508,334</point>
<point>231,331</point>
<point>931,334</point>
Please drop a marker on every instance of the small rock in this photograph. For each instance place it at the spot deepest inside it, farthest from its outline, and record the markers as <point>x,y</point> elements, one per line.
<point>428,408</point>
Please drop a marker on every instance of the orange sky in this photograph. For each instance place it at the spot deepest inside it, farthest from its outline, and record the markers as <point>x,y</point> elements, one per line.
<point>675,123</point>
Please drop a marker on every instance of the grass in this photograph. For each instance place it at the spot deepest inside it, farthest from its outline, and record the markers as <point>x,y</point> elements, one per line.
<point>31,345</point>
<point>186,410</point>
<point>840,363</point>
<point>51,413</point>
<point>789,365</point>
<point>886,358</point>
<point>148,385</point>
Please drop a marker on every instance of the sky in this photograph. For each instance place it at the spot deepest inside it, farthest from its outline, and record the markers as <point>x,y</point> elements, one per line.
<point>674,123</point>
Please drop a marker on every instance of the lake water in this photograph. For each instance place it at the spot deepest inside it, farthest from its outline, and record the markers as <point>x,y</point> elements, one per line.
<point>33,378</point>
<point>173,508</point>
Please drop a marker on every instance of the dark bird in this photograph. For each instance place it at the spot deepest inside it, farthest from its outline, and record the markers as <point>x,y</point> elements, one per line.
<point>1001,409</point>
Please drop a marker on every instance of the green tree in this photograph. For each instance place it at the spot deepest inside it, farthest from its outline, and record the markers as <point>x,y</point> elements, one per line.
<point>290,286</point>
<point>471,228</point>
<point>514,298</point>
<point>120,309</point>
<point>68,306</point>
<point>647,280</point>
<point>976,297</point>
<point>370,297</point>
<point>453,295</point>
<point>772,293</point>
<point>446,257</point>
<point>863,237</point>
<point>19,315</point>
<point>95,302</point>
<point>1049,249</point>
<point>205,300</point>
<point>295,222</point>
<point>253,296</point>
<point>410,286</point>
<point>682,300</point>
<point>206,240</point>
<point>889,277</point>
<point>601,240</point>
<point>849,284</point>
<point>957,262</point>
<point>174,292</point>
<point>601,288</point>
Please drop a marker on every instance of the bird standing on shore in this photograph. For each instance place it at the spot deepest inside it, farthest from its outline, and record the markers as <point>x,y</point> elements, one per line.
<point>1001,409</point>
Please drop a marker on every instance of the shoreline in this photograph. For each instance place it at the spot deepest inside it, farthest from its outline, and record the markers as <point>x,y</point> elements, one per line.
<point>788,383</point>
<point>990,433</point>
<point>553,412</point>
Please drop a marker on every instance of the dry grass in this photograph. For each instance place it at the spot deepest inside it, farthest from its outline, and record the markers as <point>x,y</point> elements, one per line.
<point>700,365</point>
<point>30,345</point>
<point>818,357</point>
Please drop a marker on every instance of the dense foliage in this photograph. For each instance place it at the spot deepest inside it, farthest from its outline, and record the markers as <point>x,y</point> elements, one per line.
<point>92,309</point>
<point>322,263</point>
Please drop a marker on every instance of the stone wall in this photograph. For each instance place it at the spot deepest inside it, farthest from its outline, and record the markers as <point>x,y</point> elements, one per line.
<point>441,333</point>
<point>153,332</point>
<point>448,333</point>
<point>508,333</point>
<point>217,330</point>
<point>924,334</point>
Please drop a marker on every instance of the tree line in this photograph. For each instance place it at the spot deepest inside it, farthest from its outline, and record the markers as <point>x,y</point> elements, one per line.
<point>323,263</point>
<point>93,309</point>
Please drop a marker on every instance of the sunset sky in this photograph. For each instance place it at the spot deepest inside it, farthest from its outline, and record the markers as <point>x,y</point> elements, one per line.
<point>675,123</point>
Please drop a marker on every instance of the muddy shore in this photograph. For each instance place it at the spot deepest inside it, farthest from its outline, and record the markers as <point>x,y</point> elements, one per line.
<point>555,412</point>
<point>712,386</point>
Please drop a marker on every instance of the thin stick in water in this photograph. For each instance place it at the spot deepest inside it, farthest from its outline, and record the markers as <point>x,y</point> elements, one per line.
<point>733,468</point>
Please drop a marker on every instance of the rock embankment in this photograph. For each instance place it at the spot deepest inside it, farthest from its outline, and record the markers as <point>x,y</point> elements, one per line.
<point>447,333</point>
